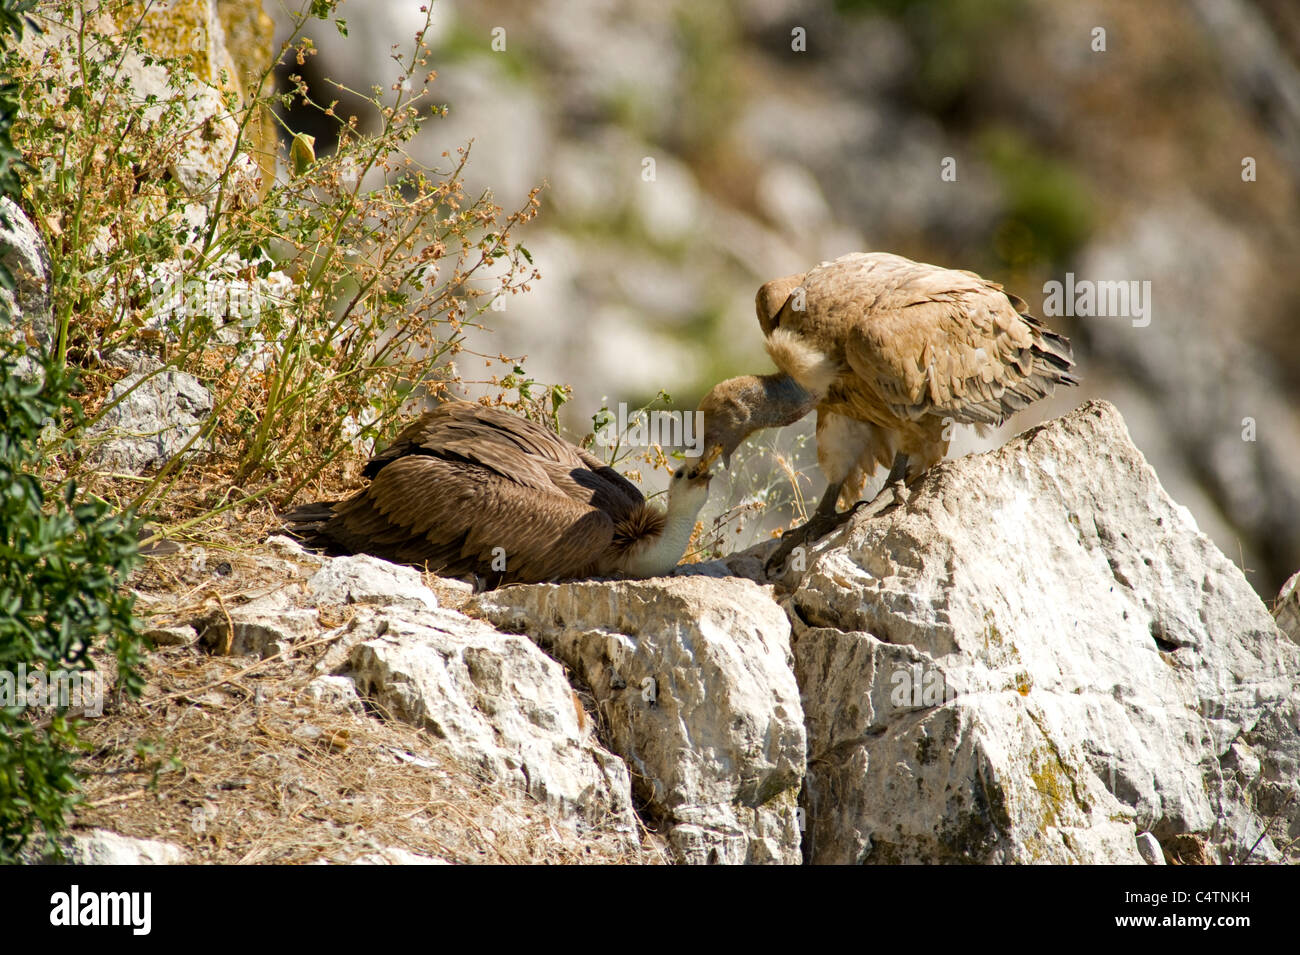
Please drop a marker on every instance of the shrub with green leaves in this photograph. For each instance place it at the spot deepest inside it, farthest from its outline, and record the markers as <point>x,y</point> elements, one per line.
<point>62,562</point>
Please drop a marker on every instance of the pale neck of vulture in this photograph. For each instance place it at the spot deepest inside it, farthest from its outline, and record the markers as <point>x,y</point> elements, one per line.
<point>659,555</point>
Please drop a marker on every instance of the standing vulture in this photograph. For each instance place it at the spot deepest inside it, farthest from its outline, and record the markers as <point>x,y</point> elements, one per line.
<point>468,489</point>
<point>890,352</point>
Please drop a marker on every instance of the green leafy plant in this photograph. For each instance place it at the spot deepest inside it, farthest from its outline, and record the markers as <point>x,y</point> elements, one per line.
<point>62,560</point>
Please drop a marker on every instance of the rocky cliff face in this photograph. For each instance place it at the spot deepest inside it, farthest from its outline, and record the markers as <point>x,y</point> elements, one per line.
<point>1037,657</point>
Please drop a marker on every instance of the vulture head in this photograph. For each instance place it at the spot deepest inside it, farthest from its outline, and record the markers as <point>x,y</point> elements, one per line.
<point>689,488</point>
<point>771,298</point>
<point>736,408</point>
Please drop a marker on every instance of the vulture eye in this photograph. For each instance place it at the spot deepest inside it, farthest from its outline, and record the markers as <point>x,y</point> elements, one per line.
<point>679,473</point>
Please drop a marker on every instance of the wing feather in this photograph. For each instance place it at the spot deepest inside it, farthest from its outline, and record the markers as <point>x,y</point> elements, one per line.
<point>511,446</point>
<point>460,518</point>
<point>465,486</point>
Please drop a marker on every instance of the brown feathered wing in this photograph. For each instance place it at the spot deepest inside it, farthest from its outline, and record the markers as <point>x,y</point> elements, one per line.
<point>465,488</point>
<point>933,341</point>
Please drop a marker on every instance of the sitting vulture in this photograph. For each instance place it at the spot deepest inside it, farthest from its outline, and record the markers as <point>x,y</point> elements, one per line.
<point>468,489</point>
<point>890,352</point>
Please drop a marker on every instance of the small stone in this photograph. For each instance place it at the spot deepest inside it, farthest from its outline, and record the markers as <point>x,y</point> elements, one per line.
<point>102,847</point>
<point>177,636</point>
<point>674,662</point>
<point>368,580</point>
<point>1149,849</point>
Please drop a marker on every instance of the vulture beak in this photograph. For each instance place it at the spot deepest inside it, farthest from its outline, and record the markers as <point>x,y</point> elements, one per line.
<point>705,460</point>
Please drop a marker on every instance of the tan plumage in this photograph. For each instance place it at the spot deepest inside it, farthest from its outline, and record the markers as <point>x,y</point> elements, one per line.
<point>904,349</point>
<point>891,352</point>
<point>465,488</point>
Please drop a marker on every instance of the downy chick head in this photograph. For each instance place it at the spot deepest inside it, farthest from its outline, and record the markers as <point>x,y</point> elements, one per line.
<point>689,489</point>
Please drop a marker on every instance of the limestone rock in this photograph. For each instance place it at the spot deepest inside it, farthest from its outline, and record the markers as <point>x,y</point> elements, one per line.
<point>250,38</point>
<point>339,692</point>
<point>102,847</point>
<point>1249,466</point>
<point>1265,763</point>
<point>365,623</point>
<point>369,580</point>
<point>503,706</point>
<point>222,292</point>
<point>1035,658</point>
<point>156,417</point>
<point>171,636</point>
<point>1149,849</point>
<point>27,308</point>
<point>1286,609</point>
<point>693,681</point>
<point>290,549</point>
<point>394,856</point>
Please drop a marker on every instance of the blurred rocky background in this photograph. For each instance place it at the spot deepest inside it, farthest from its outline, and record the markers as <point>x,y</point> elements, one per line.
<point>1155,142</point>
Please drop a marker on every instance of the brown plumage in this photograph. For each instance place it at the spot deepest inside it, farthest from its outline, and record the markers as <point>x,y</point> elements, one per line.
<point>890,352</point>
<point>468,489</point>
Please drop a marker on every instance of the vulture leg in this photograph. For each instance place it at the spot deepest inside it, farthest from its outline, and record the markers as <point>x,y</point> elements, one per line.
<point>825,519</point>
<point>893,491</point>
<point>896,480</point>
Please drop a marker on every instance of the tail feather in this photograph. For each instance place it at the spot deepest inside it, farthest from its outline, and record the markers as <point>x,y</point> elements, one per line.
<point>311,524</point>
<point>1051,359</point>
